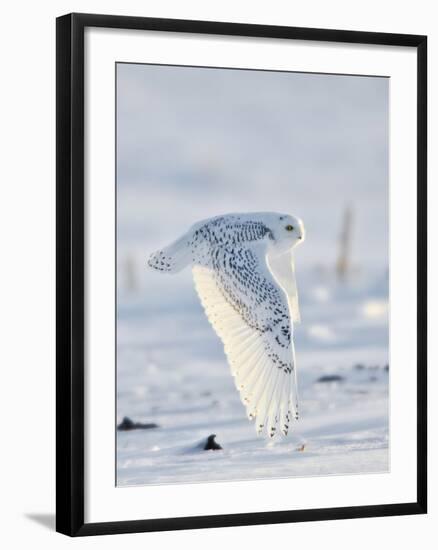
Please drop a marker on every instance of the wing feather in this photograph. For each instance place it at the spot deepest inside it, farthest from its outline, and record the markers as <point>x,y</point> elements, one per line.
<point>249,310</point>
<point>283,269</point>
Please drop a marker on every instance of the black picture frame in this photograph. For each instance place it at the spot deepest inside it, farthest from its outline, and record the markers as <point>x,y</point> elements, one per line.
<point>70,273</point>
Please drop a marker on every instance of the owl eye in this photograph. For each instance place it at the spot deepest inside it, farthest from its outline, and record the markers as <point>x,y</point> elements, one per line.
<point>289,227</point>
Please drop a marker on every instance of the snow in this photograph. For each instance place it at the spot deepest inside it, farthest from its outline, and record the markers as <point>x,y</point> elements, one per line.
<point>172,371</point>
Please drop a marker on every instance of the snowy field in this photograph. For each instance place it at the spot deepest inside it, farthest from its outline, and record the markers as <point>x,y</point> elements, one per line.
<point>195,143</point>
<point>172,372</point>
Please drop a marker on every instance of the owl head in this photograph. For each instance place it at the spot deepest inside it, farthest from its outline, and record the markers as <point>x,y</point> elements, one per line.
<point>287,232</point>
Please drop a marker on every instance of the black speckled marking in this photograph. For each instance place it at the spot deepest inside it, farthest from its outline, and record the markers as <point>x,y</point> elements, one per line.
<point>220,244</point>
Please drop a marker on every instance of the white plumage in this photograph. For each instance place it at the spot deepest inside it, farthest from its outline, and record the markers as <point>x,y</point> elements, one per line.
<point>244,274</point>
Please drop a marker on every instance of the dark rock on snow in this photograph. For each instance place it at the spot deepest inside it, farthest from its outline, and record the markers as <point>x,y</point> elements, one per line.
<point>128,424</point>
<point>211,444</point>
<point>331,378</point>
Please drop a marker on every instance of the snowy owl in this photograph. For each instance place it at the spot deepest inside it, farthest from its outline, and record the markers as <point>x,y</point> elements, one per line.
<point>243,269</point>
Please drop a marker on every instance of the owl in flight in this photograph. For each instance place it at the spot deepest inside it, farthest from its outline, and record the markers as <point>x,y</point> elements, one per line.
<point>243,269</point>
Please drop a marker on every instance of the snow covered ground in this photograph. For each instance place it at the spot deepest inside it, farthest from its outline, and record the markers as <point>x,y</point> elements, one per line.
<point>172,371</point>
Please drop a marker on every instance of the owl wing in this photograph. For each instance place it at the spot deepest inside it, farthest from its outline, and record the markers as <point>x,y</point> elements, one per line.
<point>283,269</point>
<point>249,311</point>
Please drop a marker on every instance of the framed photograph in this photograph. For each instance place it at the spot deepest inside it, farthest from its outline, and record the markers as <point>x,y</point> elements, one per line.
<point>241,274</point>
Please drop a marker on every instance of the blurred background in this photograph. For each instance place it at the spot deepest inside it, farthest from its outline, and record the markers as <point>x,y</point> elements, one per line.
<point>198,142</point>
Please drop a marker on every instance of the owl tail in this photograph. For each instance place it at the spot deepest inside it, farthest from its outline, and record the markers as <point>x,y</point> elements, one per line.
<point>172,258</point>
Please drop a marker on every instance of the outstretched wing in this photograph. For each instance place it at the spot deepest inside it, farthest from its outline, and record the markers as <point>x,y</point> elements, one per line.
<point>249,311</point>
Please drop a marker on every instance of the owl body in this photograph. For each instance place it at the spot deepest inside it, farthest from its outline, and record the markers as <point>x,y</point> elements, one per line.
<point>244,274</point>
